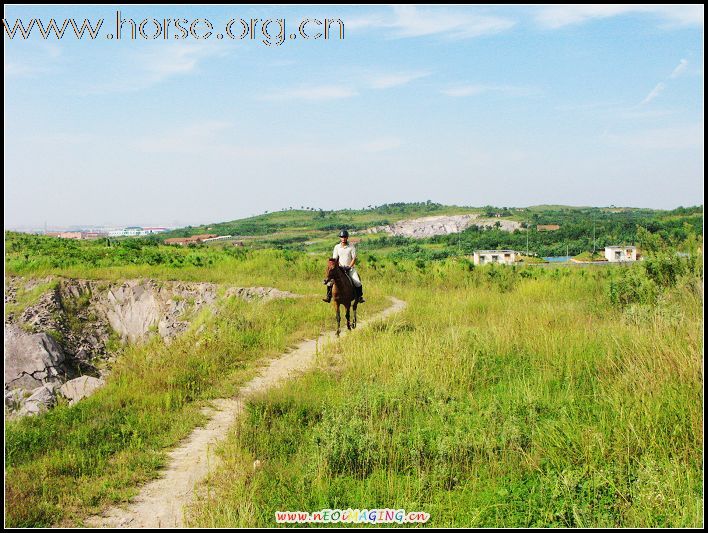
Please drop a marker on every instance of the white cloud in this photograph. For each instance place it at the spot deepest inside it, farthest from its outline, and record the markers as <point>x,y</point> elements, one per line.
<point>473,90</point>
<point>160,63</point>
<point>312,94</point>
<point>387,81</point>
<point>680,68</point>
<point>42,59</point>
<point>564,15</point>
<point>411,21</point>
<point>18,70</point>
<point>656,91</point>
<point>659,88</point>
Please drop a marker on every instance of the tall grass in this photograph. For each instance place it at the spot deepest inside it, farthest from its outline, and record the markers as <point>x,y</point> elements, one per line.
<point>500,397</point>
<point>74,461</point>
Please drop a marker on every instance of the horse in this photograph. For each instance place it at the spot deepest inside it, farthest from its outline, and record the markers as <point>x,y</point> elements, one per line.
<point>342,292</point>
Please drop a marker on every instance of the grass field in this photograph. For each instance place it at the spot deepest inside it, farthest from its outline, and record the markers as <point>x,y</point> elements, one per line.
<point>526,401</point>
<point>501,396</point>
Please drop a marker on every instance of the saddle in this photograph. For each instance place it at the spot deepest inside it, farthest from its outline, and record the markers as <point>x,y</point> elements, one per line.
<point>347,271</point>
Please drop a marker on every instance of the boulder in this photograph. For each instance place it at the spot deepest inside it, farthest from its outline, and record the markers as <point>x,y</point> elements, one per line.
<point>14,398</point>
<point>79,388</point>
<point>42,399</point>
<point>31,359</point>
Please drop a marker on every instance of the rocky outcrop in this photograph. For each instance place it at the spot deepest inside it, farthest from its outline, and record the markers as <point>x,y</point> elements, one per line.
<point>420,228</point>
<point>135,307</point>
<point>258,293</point>
<point>67,330</point>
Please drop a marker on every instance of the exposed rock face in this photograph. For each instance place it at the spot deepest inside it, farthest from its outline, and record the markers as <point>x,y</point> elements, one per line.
<point>135,307</point>
<point>81,314</point>
<point>258,293</point>
<point>79,388</point>
<point>420,228</point>
<point>31,360</point>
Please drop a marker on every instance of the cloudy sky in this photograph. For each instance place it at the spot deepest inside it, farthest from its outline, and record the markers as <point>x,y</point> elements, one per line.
<point>510,106</point>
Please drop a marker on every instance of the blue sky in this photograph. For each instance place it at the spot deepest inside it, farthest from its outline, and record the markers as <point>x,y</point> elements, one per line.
<point>509,106</point>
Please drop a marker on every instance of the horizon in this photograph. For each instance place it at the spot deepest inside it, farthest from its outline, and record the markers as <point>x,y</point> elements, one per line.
<point>465,105</point>
<point>77,227</point>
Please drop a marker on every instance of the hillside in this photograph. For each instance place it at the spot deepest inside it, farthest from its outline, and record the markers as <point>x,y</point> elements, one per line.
<point>401,228</point>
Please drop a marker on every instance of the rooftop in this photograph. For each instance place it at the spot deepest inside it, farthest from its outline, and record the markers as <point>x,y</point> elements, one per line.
<point>496,252</point>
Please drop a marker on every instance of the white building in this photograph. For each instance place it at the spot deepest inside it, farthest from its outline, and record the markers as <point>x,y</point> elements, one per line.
<point>617,254</point>
<point>504,257</point>
<point>135,231</point>
<point>219,238</point>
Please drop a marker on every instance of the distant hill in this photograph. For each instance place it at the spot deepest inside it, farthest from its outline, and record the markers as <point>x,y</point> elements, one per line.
<point>320,220</point>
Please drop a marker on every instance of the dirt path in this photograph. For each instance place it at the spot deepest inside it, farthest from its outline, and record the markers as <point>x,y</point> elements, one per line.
<point>161,502</point>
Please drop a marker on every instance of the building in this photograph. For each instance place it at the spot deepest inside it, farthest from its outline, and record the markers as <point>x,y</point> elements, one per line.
<point>152,231</point>
<point>504,257</point>
<point>547,227</point>
<point>219,238</point>
<point>618,254</point>
<point>135,231</point>
<point>71,235</point>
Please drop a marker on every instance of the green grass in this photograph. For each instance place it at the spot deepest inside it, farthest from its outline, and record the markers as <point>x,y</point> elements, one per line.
<point>501,396</point>
<point>487,403</point>
<point>27,297</point>
<point>73,461</point>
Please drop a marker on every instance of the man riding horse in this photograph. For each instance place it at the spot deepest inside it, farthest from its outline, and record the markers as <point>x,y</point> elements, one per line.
<point>345,253</point>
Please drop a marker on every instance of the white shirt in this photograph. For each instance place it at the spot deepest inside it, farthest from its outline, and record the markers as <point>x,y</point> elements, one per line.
<point>345,254</point>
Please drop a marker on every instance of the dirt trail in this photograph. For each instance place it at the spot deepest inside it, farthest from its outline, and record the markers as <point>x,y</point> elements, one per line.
<point>161,502</point>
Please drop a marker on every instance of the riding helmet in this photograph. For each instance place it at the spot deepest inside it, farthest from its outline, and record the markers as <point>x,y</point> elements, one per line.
<point>344,233</point>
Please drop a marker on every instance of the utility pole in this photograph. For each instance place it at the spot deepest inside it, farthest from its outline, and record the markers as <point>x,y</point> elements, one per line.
<point>527,237</point>
<point>593,235</point>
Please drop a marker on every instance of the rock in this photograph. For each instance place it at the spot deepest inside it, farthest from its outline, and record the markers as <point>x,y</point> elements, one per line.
<point>14,398</point>
<point>253,293</point>
<point>42,399</point>
<point>420,228</point>
<point>80,388</point>
<point>31,359</point>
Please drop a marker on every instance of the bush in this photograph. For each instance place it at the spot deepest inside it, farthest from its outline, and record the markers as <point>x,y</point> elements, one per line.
<point>665,269</point>
<point>633,287</point>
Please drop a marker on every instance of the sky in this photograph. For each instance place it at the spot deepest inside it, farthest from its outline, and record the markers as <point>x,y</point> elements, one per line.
<point>462,105</point>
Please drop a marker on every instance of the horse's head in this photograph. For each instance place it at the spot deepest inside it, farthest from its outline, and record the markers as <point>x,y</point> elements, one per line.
<point>332,265</point>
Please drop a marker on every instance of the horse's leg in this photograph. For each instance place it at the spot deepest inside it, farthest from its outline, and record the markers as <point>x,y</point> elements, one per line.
<point>338,320</point>
<point>354,307</point>
<point>349,325</point>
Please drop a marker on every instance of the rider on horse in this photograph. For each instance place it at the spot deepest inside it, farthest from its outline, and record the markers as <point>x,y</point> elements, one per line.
<point>346,254</point>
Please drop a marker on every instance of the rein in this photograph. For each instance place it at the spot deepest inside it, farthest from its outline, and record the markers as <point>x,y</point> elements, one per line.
<point>337,276</point>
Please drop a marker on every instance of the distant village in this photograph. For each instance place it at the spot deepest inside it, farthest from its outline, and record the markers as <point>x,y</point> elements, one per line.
<point>130,231</point>
<point>611,254</point>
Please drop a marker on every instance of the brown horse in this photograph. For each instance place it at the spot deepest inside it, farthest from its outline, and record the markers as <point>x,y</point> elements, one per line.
<point>342,292</point>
